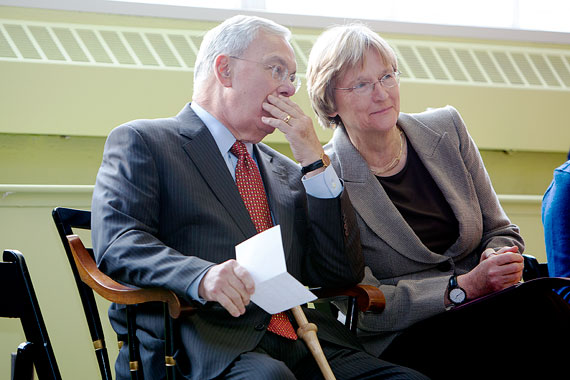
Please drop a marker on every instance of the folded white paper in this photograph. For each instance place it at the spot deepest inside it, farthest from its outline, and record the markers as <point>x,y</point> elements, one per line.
<point>275,289</point>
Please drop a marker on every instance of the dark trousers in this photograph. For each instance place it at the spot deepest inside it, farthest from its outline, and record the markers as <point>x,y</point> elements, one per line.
<point>278,358</point>
<point>519,333</point>
<point>274,358</point>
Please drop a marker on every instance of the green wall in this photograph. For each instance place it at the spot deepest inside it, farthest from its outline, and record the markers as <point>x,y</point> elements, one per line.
<point>74,160</point>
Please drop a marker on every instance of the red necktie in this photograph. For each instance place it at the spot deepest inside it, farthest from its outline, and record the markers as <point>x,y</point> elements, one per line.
<point>250,187</point>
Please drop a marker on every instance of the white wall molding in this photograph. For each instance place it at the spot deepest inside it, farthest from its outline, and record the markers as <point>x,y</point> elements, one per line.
<point>290,20</point>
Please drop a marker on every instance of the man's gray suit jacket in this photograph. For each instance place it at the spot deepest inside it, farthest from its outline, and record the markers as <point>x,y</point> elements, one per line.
<point>165,207</point>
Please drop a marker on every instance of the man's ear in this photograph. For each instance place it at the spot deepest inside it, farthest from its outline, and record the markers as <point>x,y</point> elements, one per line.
<point>222,70</point>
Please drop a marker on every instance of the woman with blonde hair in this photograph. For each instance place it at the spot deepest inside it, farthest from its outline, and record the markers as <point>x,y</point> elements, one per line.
<point>435,238</point>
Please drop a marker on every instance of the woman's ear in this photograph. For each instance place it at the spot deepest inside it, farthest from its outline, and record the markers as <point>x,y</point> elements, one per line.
<point>222,70</point>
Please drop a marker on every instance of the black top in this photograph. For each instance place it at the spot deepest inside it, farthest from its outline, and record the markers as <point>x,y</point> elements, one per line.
<point>420,201</point>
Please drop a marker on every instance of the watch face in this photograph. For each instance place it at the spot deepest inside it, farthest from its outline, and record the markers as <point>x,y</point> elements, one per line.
<point>457,295</point>
<point>326,160</point>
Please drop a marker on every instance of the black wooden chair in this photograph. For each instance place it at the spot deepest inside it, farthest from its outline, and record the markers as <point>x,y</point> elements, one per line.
<point>88,278</point>
<point>533,269</point>
<point>19,301</point>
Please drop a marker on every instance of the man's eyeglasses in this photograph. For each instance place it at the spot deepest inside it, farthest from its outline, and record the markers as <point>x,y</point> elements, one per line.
<point>278,72</point>
<point>365,88</point>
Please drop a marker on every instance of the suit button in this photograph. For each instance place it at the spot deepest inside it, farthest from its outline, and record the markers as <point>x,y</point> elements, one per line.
<point>260,326</point>
<point>444,266</point>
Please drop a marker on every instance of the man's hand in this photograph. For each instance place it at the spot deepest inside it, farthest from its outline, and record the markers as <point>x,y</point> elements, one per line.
<point>297,128</point>
<point>497,270</point>
<point>229,284</point>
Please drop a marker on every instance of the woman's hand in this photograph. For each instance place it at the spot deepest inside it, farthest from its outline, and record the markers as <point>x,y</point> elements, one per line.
<point>497,270</point>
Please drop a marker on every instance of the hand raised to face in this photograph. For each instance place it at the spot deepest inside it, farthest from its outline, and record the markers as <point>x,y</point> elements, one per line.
<point>297,127</point>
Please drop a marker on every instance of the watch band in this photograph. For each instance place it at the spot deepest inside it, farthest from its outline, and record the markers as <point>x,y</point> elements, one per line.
<point>453,282</point>
<point>323,161</point>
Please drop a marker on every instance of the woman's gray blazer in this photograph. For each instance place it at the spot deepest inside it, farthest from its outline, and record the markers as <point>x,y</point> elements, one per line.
<point>413,278</point>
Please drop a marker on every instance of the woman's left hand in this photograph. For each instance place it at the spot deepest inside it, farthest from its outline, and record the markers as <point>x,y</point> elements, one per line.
<point>489,252</point>
<point>496,270</point>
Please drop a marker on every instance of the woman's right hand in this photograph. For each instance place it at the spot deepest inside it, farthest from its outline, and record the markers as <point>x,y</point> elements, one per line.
<point>496,270</point>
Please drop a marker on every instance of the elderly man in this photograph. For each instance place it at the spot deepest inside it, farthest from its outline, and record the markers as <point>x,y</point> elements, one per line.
<point>174,196</point>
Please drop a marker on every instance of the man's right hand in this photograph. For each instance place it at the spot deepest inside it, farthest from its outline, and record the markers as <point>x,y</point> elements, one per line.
<point>229,284</point>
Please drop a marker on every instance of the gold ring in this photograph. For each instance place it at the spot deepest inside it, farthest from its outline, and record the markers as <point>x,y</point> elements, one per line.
<point>287,118</point>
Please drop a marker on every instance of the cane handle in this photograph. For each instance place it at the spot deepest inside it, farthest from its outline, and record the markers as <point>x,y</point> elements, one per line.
<point>308,332</point>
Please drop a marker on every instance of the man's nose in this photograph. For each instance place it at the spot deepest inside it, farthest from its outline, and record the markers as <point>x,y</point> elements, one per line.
<point>286,88</point>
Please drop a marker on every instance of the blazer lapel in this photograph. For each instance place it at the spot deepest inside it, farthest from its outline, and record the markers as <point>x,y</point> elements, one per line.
<point>439,155</point>
<point>203,151</point>
<point>387,223</point>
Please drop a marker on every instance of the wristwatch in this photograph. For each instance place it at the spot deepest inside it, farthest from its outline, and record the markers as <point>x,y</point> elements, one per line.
<point>324,161</point>
<point>456,294</point>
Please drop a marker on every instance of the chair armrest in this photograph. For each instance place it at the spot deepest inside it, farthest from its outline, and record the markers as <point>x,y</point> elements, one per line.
<point>119,293</point>
<point>368,297</point>
<point>533,269</point>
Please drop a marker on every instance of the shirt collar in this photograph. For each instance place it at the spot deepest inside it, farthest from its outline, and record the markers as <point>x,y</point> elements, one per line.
<point>223,137</point>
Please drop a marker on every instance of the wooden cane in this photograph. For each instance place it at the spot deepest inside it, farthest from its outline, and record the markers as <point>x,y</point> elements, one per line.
<point>308,332</point>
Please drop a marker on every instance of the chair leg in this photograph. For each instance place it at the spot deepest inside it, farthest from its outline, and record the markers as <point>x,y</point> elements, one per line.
<point>169,345</point>
<point>23,365</point>
<point>102,359</point>
<point>134,361</point>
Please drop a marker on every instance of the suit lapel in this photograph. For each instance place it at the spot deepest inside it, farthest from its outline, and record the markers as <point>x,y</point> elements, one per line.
<point>203,151</point>
<point>388,224</point>
<point>278,196</point>
<point>439,155</point>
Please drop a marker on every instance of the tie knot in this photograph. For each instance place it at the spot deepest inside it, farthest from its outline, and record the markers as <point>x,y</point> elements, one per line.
<point>239,149</point>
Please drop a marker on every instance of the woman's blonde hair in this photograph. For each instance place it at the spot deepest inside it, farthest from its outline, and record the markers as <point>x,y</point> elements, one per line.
<point>337,50</point>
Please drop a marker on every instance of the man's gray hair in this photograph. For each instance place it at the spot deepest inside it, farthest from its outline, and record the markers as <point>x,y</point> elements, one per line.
<point>232,37</point>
